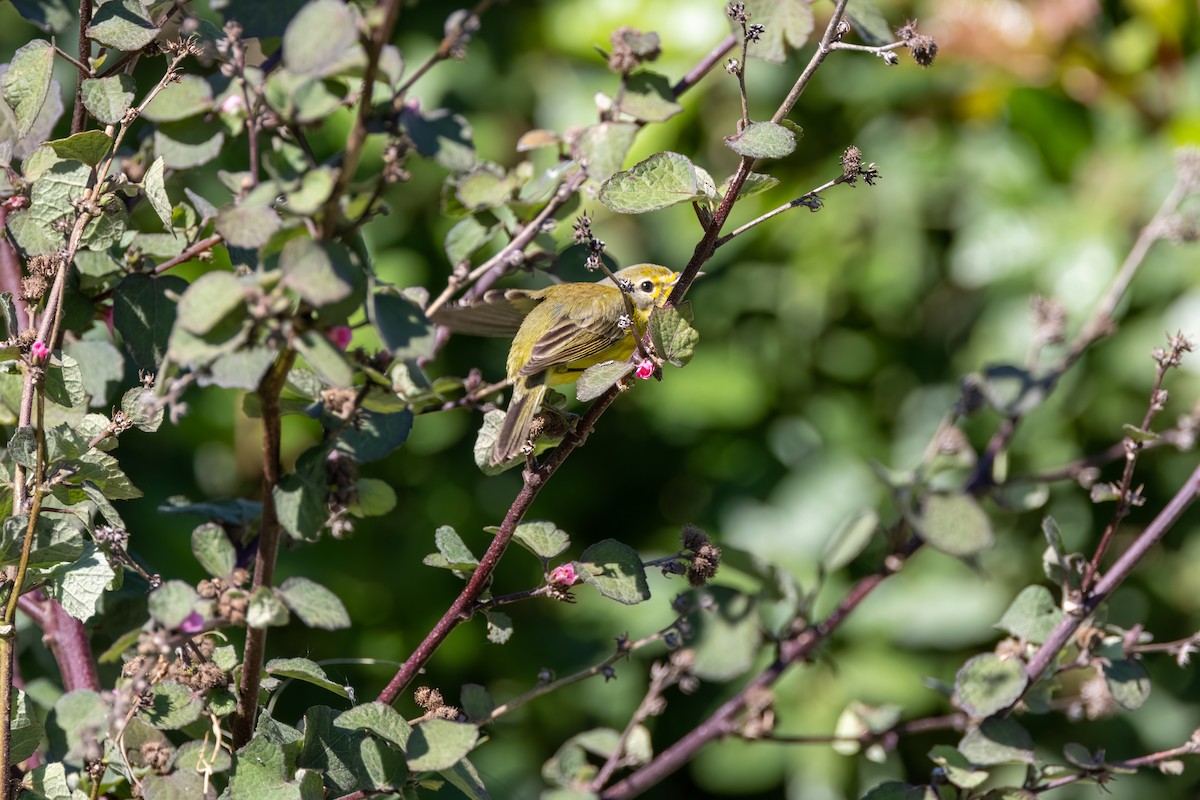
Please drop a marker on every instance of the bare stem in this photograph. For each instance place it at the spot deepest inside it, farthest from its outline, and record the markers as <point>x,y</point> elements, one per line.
<point>269,537</point>
<point>358,134</point>
<point>79,112</point>
<point>723,722</point>
<point>1062,634</point>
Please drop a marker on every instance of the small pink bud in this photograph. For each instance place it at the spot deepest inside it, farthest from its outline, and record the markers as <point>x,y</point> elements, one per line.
<point>15,202</point>
<point>645,369</point>
<point>564,575</point>
<point>340,335</point>
<point>232,104</point>
<point>39,351</point>
<point>192,623</point>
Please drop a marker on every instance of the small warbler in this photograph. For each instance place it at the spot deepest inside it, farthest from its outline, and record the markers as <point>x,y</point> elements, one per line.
<point>563,330</point>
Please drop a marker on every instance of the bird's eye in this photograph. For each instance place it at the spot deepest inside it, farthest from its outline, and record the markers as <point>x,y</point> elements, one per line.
<point>647,286</point>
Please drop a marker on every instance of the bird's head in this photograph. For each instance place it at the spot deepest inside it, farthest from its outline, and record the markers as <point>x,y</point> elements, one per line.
<point>652,284</point>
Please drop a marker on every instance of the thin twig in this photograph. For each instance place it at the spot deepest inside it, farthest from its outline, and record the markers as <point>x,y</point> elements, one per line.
<point>1063,633</point>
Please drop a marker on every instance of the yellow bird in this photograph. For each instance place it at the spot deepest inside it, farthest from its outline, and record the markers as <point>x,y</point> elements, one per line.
<point>563,330</point>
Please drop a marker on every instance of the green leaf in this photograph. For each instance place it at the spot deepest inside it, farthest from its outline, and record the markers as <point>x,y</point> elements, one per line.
<point>101,369</point>
<point>302,669</point>
<point>616,570</point>
<point>1128,682</point>
<point>452,552</point>
<point>90,147</point>
<point>379,719</point>
<point>170,706</point>
<point>22,447</point>
<point>215,299</point>
<point>316,606</point>
<point>49,16</point>
<point>172,603</point>
<point>499,627</point>
<point>484,186</point>
<point>348,759</point>
<point>987,684</point>
<point>762,140</point>
<point>143,313</point>
<point>648,97</point>
<point>376,436</point>
<point>674,338</point>
<point>869,22</point>
<point>438,744</point>
<point>300,497</point>
<point>188,143</point>
<point>476,702</point>
<point>78,718</point>
<point>954,524</point>
<point>728,633</point>
<point>242,369</point>
<point>599,378</point>
<point>325,358</point>
<point>755,183</point>
<point>79,586</point>
<point>144,416</point>
<point>402,326</point>
<point>320,37</point>
<point>55,540</point>
<point>602,147</point>
<point>464,777</point>
<point>542,538</point>
<point>25,731</point>
<point>441,135</point>
<point>788,25</point>
<point>156,192</point>
<point>266,609</point>
<point>897,790</point>
<point>8,315</point>
<point>662,180</point>
<point>1032,615</point>
<point>247,226</point>
<point>180,101</point>
<point>956,767</point>
<point>107,99</point>
<point>26,83</point>
<point>467,236</point>
<point>997,741</point>
<point>214,551</point>
<point>124,25</point>
<point>261,772</point>
<point>849,540</point>
<point>64,383</point>
<point>373,498</point>
<point>320,273</point>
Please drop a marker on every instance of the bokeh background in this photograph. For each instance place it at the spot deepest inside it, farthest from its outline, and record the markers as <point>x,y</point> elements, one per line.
<point>1023,162</point>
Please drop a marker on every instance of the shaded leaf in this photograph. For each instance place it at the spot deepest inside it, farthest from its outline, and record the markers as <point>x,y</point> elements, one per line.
<point>615,570</point>
<point>762,140</point>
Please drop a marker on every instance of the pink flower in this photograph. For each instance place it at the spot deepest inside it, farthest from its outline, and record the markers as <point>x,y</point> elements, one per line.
<point>17,201</point>
<point>39,351</point>
<point>564,575</point>
<point>192,623</point>
<point>645,369</point>
<point>340,335</point>
<point>232,104</point>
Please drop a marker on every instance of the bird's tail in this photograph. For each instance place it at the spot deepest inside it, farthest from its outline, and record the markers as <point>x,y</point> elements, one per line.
<point>514,431</point>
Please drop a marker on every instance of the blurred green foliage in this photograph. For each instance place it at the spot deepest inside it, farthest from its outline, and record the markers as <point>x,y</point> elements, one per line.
<point>1023,162</point>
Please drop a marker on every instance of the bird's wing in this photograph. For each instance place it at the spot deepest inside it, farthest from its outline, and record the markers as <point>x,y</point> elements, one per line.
<point>586,332</point>
<point>499,312</point>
